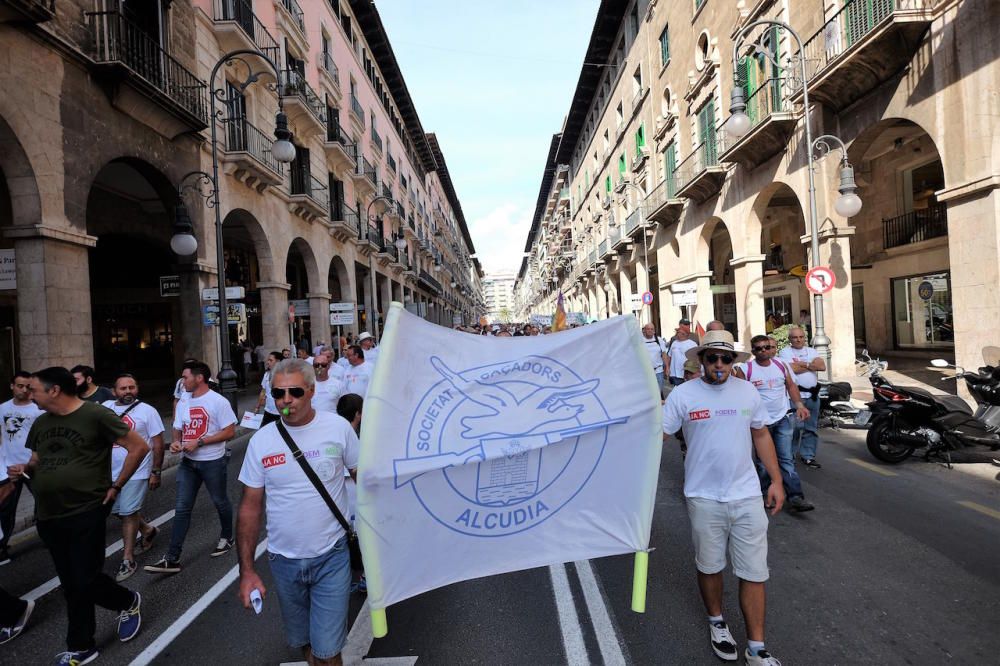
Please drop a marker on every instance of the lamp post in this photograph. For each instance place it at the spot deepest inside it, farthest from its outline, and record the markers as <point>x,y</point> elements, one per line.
<point>283,151</point>
<point>848,203</point>
<point>373,321</point>
<point>645,243</point>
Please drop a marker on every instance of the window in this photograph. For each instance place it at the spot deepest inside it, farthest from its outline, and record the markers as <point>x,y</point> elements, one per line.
<point>706,134</point>
<point>665,46</point>
<point>698,4</point>
<point>640,139</point>
<point>921,306</point>
<point>607,185</point>
<point>619,115</point>
<point>622,164</point>
<point>669,167</point>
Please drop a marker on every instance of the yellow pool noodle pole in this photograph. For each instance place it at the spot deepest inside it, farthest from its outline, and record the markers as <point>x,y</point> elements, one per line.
<point>639,575</point>
<point>379,625</point>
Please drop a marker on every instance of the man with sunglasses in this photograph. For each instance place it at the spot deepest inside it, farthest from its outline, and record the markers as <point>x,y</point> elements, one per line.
<point>327,389</point>
<point>805,362</point>
<point>202,443</point>
<point>307,547</point>
<point>723,422</point>
<point>773,381</point>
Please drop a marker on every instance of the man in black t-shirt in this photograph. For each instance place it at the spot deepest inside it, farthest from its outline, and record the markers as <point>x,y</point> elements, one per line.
<point>70,470</point>
<point>87,389</point>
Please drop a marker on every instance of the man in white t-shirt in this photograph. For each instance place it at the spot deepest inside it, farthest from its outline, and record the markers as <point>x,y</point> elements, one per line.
<point>202,444</point>
<point>805,362</point>
<point>367,342</point>
<point>18,414</point>
<point>327,389</point>
<point>773,381</point>
<point>358,373</point>
<point>723,422</point>
<point>657,350</point>
<point>309,558</point>
<point>143,419</point>
<point>677,351</point>
<point>264,400</point>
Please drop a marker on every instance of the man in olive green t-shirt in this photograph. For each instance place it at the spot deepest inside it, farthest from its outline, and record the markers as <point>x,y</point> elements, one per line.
<point>70,470</point>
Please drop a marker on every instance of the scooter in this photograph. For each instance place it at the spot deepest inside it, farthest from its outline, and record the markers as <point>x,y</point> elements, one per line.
<point>907,418</point>
<point>835,407</point>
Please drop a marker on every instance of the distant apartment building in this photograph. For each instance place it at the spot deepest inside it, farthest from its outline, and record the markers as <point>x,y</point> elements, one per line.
<point>644,189</point>
<point>498,294</point>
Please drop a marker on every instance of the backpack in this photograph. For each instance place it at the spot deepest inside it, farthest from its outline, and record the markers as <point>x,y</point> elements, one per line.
<point>778,363</point>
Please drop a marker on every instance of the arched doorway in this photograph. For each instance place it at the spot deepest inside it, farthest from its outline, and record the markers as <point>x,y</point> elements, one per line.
<point>299,269</point>
<point>339,287</point>
<point>722,280</point>
<point>782,225</point>
<point>901,275</point>
<point>247,257</point>
<point>135,322</point>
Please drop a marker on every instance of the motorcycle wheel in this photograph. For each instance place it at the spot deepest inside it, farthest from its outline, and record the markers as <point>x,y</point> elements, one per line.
<point>880,446</point>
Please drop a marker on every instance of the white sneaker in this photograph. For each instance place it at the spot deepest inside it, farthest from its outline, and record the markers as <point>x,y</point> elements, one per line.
<point>762,658</point>
<point>723,643</point>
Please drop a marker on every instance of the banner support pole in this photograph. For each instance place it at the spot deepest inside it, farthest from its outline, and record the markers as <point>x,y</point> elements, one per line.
<point>640,572</point>
<point>380,626</point>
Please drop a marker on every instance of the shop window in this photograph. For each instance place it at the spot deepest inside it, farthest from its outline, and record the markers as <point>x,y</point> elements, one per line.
<point>922,316</point>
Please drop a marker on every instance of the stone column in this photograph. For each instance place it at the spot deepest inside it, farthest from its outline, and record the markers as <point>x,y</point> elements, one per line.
<point>602,300</point>
<point>704,311</point>
<point>54,318</point>
<point>749,274</point>
<point>838,304</point>
<point>319,317</point>
<point>274,314</point>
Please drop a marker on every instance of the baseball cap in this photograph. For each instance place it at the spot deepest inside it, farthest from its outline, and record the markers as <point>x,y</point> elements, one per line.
<point>684,322</point>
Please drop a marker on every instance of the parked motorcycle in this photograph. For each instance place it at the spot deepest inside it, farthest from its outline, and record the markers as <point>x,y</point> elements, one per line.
<point>907,418</point>
<point>835,407</point>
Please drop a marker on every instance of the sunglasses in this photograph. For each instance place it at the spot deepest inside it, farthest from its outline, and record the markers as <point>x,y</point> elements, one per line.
<point>321,365</point>
<point>295,391</point>
<point>763,348</point>
<point>714,358</point>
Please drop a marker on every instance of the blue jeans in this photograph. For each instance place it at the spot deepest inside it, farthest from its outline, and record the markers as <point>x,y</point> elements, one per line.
<point>659,382</point>
<point>190,475</point>
<point>806,435</point>
<point>314,594</point>
<point>676,381</point>
<point>781,433</point>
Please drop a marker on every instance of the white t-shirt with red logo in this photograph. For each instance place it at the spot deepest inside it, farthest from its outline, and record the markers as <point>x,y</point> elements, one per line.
<point>208,414</point>
<point>357,377</point>
<point>716,421</point>
<point>769,380</point>
<point>147,423</point>
<point>807,379</point>
<point>299,523</point>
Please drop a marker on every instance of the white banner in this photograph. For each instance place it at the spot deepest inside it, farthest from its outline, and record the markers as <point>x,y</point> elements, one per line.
<point>501,454</point>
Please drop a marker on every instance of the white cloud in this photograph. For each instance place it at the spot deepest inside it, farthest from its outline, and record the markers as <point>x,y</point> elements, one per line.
<point>499,236</point>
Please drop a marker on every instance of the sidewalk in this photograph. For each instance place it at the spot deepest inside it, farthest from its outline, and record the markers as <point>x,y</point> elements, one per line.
<point>905,371</point>
<point>25,518</point>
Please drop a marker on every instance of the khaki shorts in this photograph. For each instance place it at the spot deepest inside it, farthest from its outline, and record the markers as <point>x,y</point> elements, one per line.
<point>739,526</point>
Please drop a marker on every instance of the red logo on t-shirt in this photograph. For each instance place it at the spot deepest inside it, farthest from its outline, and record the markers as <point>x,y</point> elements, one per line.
<point>271,461</point>
<point>127,420</point>
<point>198,427</point>
<point>700,414</point>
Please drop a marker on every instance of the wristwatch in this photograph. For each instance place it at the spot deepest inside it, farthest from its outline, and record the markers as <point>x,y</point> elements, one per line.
<point>117,488</point>
<point>201,442</point>
<point>154,471</point>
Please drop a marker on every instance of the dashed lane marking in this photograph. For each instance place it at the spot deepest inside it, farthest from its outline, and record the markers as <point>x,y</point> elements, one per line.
<point>870,467</point>
<point>569,621</point>
<point>985,510</point>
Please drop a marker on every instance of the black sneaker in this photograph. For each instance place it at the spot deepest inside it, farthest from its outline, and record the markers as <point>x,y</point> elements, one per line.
<point>799,504</point>
<point>223,547</point>
<point>811,462</point>
<point>163,566</point>
<point>723,643</point>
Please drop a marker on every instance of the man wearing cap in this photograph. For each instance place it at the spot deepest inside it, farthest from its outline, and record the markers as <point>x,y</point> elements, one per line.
<point>679,346</point>
<point>367,342</point>
<point>723,422</point>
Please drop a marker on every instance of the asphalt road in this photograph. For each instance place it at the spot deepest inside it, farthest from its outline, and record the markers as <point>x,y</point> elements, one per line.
<point>896,566</point>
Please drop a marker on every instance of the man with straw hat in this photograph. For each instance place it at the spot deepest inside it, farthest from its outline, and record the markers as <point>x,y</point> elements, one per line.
<point>723,422</point>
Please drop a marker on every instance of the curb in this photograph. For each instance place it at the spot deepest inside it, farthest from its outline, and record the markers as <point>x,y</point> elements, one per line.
<point>26,524</point>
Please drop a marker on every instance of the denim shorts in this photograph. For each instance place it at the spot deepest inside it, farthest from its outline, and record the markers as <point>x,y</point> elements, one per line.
<point>739,527</point>
<point>313,594</point>
<point>130,498</point>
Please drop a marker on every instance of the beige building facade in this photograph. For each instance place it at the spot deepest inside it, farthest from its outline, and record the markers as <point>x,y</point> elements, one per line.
<point>105,113</point>
<point>645,189</point>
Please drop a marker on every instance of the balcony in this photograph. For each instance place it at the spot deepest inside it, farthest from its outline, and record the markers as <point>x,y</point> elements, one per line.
<point>246,155</point>
<point>391,162</point>
<point>307,195</point>
<point>640,159</point>
<point>365,177</point>
<point>699,177</point>
<point>291,22</point>
<point>428,282</point>
<point>31,11</point>
<point>328,72</point>
<point>591,260</point>
<point>604,249</point>
<point>863,45</point>
<point>376,141</point>
<point>632,222</point>
<point>348,226</point>
<point>772,122</point>
<point>357,112</point>
<point>237,27</point>
<point>915,226</point>
<point>615,236</point>
<point>662,204</point>
<point>301,104</point>
<point>340,151</point>
<point>146,82</point>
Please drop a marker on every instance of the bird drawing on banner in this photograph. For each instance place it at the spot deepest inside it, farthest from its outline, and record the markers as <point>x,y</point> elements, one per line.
<point>536,413</point>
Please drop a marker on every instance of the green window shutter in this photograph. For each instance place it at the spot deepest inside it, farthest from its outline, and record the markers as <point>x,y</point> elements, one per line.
<point>775,91</point>
<point>671,167</point>
<point>607,185</point>
<point>664,46</point>
<point>706,134</point>
<point>622,164</point>
<point>640,139</point>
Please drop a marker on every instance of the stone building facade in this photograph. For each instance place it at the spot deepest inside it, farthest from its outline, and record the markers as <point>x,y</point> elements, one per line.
<point>645,190</point>
<point>105,113</point>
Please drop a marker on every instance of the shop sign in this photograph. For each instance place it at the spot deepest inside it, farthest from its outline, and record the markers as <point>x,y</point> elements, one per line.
<point>8,269</point>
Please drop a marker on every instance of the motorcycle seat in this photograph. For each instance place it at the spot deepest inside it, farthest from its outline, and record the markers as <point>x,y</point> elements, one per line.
<point>950,402</point>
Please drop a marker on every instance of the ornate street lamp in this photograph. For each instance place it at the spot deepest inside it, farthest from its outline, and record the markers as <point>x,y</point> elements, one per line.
<point>373,315</point>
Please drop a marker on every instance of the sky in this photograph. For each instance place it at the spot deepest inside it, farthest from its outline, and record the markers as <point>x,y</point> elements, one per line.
<point>494,81</point>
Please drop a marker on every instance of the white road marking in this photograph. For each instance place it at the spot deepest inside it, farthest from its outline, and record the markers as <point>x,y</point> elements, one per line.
<point>569,621</point>
<point>189,616</point>
<point>53,583</point>
<point>985,510</point>
<point>607,637</point>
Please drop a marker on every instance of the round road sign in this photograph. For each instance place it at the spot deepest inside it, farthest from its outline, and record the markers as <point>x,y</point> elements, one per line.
<point>820,280</point>
<point>647,297</point>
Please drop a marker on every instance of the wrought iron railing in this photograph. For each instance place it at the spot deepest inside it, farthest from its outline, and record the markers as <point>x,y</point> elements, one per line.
<point>292,7</point>
<point>764,101</point>
<point>370,171</point>
<point>602,248</point>
<point>429,280</point>
<point>302,183</point>
<point>376,139</point>
<point>591,258</point>
<point>351,217</point>
<point>294,84</point>
<point>615,234</point>
<point>118,40</point>
<point>849,25</point>
<point>374,233</point>
<point>242,137</point>
<point>633,220</point>
<point>357,110</point>
<point>705,155</point>
<point>326,63</point>
<point>410,221</point>
<point>915,226</point>
<point>241,13</point>
<point>666,190</point>
<point>335,134</point>
<point>387,190</point>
